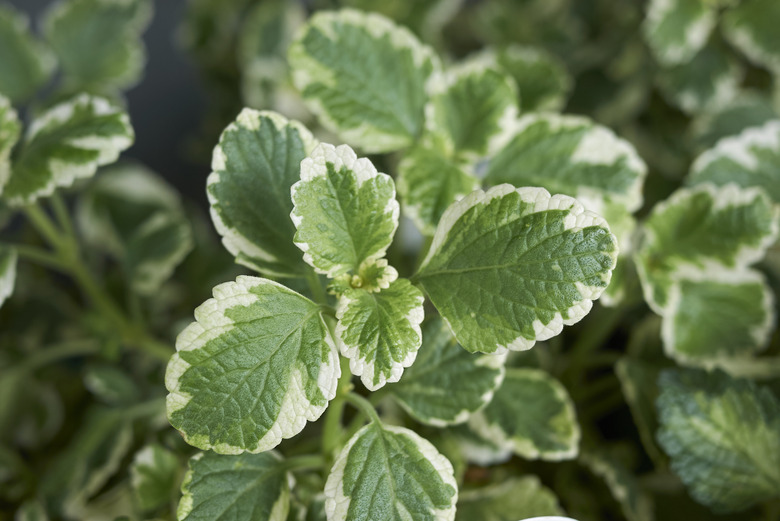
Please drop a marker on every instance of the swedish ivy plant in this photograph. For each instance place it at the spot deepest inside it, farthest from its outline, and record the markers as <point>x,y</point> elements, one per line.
<point>413,201</point>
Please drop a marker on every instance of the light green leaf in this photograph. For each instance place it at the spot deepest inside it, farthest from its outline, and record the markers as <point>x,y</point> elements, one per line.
<point>542,79</point>
<point>154,474</point>
<point>67,142</point>
<point>429,183</point>
<point>8,259</point>
<point>254,165</point>
<point>25,64</point>
<point>98,42</point>
<point>707,82</point>
<point>676,30</point>
<point>508,267</point>
<point>472,107</point>
<point>751,26</point>
<point>222,488</point>
<point>364,77</point>
<point>703,227</point>
<point>635,503</point>
<point>719,314</point>
<point>345,211</point>
<point>512,499</point>
<point>386,473</point>
<point>447,383</point>
<point>532,414</point>
<point>254,367</point>
<point>380,331</point>
<point>723,436</point>
<point>10,129</point>
<point>133,214</point>
<point>749,109</point>
<point>750,159</point>
<point>571,155</point>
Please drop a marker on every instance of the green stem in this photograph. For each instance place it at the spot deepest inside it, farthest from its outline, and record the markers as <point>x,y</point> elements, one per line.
<point>364,406</point>
<point>332,431</point>
<point>312,461</point>
<point>317,290</point>
<point>144,409</point>
<point>45,226</point>
<point>62,215</point>
<point>40,256</point>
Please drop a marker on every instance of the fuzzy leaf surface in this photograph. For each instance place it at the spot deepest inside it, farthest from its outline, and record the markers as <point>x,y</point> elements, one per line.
<point>388,473</point>
<point>344,210</point>
<point>67,142</point>
<point>513,499</point>
<point>254,165</point>
<point>25,64</point>
<point>472,106</point>
<point>571,155</point>
<point>428,183</point>
<point>98,42</point>
<point>508,267</point>
<point>532,414</point>
<point>447,383</point>
<point>380,331</point>
<point>364,77</point>
<point>751,158</point>
<point>704,226</point>
<point>224,488</point>
<point>676,30</point>
<point>722,435</point>
<point>257,363</point>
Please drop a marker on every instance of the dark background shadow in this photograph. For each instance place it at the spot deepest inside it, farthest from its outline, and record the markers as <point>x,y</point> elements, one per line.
<point>166,107</point>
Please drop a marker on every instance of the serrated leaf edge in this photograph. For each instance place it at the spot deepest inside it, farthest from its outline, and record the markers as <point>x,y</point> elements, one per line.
<point>337,504</point>
<point>234,242</point>
<point>195,336</point>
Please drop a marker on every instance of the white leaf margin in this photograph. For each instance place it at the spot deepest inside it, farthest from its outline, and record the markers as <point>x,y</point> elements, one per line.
<point>377,26</point>
<point>363,367</point>
<point>233,241</point>
<point>577,219</point>
<point>340,157</point>
<point>337,504</point>
<point>210,323</point>
<point>696,34</point>
<point>10,119</point>
<point>8,275</point>
<point>760,334</point>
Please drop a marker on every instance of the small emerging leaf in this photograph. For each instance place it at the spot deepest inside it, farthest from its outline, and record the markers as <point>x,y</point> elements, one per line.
<point>723,436</point>
<point>532,414</point>
<point>255,366</point>
<point>25,64</point>
<point>677,29</point>
<point>751,158</point>
<point>67,142</point>
<point>509,266</point>
<point>248,486</point>
<point>446,384</point>
<point>380,331</point>
<point>364,77</point>
<point>345,211</point>
<point>254,165</point>
<point>387,473</point>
